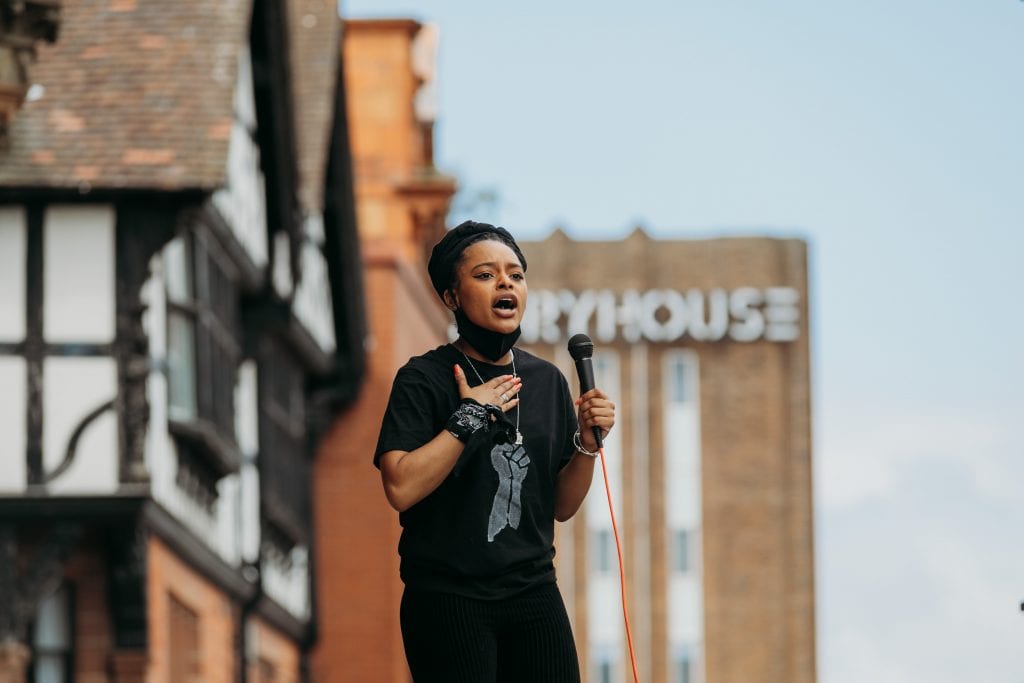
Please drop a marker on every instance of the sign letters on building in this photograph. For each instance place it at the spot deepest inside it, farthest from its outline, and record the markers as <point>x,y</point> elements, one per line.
<point>744,314</point>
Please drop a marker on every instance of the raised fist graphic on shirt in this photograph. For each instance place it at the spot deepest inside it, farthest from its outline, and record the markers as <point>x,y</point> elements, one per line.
<point>511,463</point>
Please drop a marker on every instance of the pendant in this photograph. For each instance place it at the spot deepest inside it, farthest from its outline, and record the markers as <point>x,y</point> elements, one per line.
<point>519,438</point>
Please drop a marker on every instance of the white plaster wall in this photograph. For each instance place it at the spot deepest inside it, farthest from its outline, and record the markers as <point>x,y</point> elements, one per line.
<point>281,277</point>
<point>12,273</point>
<point>289,586</point>
<point>238,512</point>
<point>159,451</point>
<point>79,274</point>
<point>13,379</point>
<point>313,305</point>
<point>201,523</point>
<point>72,388</point>
<point>247,434</point>
<point>227,517</point>
<point>243,201</point>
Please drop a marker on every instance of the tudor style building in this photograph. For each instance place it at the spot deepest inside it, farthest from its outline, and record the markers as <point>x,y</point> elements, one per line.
<point>180,316</point>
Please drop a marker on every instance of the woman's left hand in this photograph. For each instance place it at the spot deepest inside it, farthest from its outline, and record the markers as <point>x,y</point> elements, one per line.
<point>595,410</point>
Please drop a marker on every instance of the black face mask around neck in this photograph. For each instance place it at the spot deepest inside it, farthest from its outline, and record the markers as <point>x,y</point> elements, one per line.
<point>488,343</point>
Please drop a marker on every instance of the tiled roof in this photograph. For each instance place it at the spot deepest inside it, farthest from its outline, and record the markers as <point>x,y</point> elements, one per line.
<point>314,41</point>
<point>134,94</point>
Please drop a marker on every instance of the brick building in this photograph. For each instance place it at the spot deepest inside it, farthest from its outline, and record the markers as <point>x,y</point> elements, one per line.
<point>401,201</point>
<point>703,344</point>
<point>180,316</point>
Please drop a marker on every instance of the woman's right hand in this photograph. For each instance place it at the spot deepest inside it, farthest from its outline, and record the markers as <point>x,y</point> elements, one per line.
<point>502,391</point>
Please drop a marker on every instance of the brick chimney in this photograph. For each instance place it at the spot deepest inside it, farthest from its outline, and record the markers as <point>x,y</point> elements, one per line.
<point>402,198</point>
<point>23,24</point>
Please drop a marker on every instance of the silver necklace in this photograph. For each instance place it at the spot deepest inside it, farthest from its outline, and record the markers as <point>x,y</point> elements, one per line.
<point>519,436</point>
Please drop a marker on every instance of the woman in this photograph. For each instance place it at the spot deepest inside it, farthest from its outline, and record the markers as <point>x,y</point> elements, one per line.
<point>480,450</point>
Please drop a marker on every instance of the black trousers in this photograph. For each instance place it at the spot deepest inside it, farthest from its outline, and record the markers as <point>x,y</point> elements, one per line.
<point>523,639</point>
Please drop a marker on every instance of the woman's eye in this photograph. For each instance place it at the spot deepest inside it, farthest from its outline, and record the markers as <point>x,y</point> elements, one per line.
<point>482,276</point>
<point>518,276</point>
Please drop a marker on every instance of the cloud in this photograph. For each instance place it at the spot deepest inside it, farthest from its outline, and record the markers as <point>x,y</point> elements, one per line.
<point>860,454</point>
<point>920,559</point>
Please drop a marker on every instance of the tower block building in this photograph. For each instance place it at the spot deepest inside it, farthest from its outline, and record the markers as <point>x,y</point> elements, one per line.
<point>703,345</point>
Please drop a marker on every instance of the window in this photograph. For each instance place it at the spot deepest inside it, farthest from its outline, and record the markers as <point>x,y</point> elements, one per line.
<point>681,382</point>
<point>181,331</point>
<point>681,550</point>
<point>682,665</point>
<point>602,551</point>
<point>284,455</point>
<point>183,643</point>
<point>682,670</point>
<point>603,663</point>
<point>203,349</point>
<point>52,651</point>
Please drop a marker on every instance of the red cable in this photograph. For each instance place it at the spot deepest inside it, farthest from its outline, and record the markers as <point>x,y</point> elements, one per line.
<point>622,571</point>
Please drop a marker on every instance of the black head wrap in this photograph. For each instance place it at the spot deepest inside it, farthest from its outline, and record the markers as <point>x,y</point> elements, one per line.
<point>445,254</point>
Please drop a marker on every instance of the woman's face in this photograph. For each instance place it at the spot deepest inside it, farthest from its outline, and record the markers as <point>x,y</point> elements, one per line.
<point>490,286</point>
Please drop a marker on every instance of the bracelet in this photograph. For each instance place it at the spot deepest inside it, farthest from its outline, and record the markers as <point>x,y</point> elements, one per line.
<point>467,419</point>
<point>579,446</point>
<point>501,430</point>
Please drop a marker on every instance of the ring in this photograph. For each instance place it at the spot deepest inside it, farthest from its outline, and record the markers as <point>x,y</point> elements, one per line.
<point>504,398</point>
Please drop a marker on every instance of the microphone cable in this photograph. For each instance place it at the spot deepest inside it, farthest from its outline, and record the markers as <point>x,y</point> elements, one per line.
<point>581,348</point>
<point>622,571</point>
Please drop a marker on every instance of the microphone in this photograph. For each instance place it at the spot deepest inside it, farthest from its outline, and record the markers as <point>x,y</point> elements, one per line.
<point>581,349</point>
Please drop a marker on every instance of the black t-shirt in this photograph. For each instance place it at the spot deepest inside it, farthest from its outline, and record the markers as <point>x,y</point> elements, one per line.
<point>488,530</point>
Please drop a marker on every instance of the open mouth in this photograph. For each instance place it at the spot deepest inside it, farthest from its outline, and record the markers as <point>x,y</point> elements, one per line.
<point>506,303</point>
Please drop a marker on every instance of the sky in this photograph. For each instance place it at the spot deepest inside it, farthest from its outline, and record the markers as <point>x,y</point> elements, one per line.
<point>890,136</point>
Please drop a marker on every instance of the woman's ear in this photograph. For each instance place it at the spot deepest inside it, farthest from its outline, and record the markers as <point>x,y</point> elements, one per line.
<point>450,300</point>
